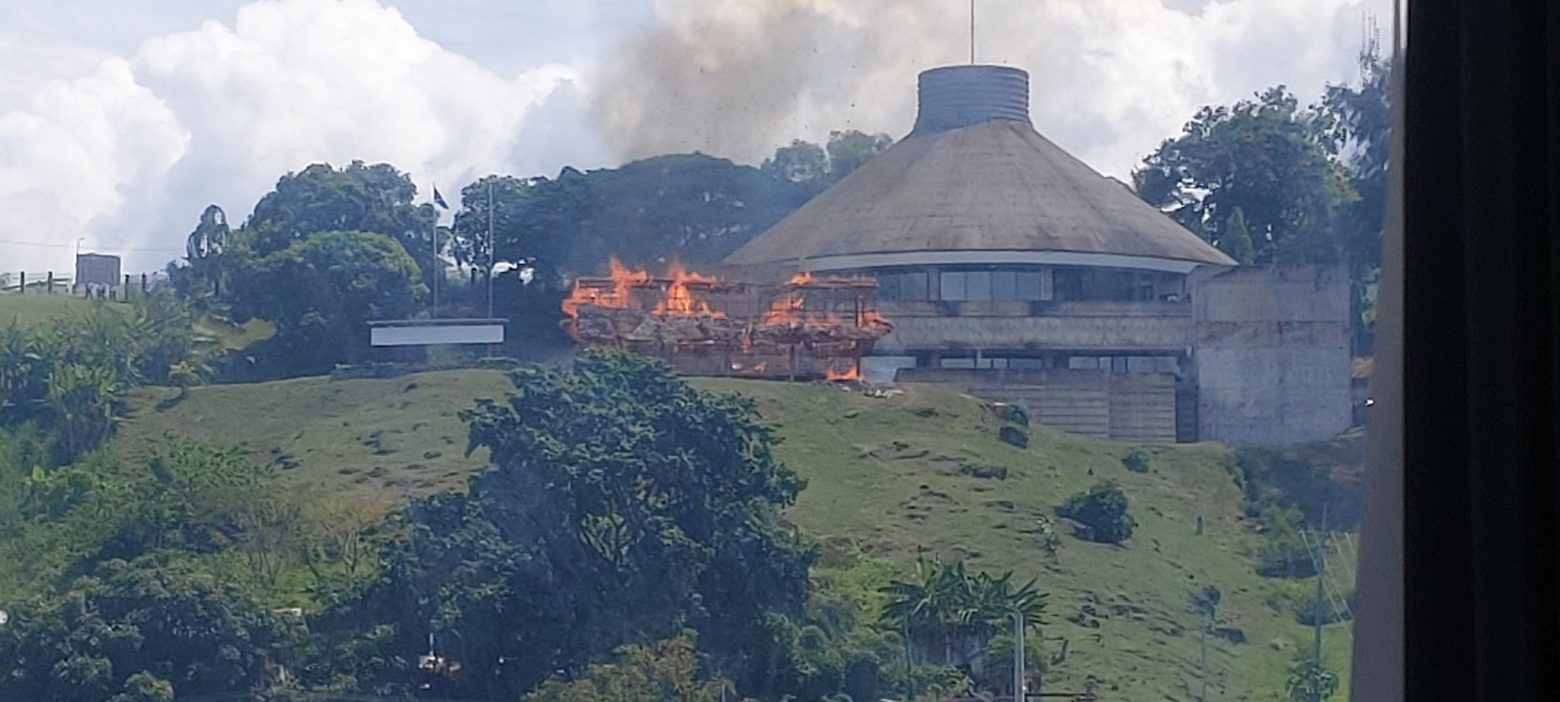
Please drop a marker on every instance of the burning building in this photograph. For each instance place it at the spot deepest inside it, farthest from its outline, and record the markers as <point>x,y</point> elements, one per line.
<point>806,327</point>
<point>1010,267</point>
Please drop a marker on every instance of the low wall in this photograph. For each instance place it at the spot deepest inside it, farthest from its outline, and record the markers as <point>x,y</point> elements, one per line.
<point>1136,407</point>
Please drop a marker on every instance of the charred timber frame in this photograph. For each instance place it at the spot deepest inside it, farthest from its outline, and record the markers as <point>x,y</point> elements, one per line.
<point>700,325</point>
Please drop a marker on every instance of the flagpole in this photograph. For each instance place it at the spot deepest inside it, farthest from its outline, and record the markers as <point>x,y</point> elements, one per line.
<point>437,272</point>
<point>491,248</point>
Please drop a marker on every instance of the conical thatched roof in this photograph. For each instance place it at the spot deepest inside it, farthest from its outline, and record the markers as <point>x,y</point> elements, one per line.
<point>992,185</point>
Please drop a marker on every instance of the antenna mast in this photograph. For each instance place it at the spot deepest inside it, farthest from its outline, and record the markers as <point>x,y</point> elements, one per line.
<point>1370,42</point>
<point>972,32</point>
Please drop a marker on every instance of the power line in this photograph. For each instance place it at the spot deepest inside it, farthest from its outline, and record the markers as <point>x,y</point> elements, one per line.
<point>42,245</point>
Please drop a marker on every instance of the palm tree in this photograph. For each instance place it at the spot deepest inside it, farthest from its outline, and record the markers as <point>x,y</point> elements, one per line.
<point>943,608</point>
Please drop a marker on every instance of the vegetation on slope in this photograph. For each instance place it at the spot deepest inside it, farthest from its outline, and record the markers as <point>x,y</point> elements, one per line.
<point>886,479</point>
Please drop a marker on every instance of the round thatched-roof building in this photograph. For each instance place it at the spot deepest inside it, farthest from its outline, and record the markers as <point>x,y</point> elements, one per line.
<point>1013,268</point>
<point>975,184</point>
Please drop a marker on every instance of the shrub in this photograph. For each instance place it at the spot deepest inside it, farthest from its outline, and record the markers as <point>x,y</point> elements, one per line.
<point>1103,509</point>
<point>1137,460</point>
<point>1285,554</point>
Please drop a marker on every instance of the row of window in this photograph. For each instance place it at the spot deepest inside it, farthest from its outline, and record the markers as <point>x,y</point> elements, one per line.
<point>1114,364</point>
<point>1081,284</point>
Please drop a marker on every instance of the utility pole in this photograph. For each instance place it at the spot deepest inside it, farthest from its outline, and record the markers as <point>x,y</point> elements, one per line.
<point>438,271</point>
<point>1018,653</point>
<point>1321,573</point>
<point>491,248</point>
<point>1202,643</point>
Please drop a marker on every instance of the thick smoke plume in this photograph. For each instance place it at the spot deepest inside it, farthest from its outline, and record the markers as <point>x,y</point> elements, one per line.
<point>1109,79</point>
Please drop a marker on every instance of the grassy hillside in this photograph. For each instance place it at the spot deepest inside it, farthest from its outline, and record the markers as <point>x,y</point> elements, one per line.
<point>31,309</point>
<point>358,438</point>
<point>883,473</point>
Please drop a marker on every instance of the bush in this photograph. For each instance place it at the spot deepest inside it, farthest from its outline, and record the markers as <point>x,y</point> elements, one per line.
<point>1285,554</point>
<point>1103,509</point>
<point>1137,460</point>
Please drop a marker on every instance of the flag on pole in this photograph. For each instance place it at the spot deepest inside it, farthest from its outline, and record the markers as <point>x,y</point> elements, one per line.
<point>439,199</point>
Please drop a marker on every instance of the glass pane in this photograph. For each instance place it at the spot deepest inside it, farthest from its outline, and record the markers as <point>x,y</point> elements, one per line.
<point>888,286</point>
<point>953,285</point>
<point>1004,285</point>
<point>912,286</point>
<point>1027,284</point>
<point>977,285</point>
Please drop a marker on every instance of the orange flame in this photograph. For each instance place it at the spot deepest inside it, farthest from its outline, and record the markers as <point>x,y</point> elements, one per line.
<point>619,296</point>
<point>680,300</point>
<point>785,310</point>
<point>848,375</point>
<point>802,278</point>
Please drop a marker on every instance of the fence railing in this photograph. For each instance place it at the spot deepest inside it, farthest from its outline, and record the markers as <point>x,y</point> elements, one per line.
<point>52,283</point>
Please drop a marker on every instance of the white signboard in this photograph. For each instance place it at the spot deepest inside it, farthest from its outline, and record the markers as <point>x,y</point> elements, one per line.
<point>433,335</point>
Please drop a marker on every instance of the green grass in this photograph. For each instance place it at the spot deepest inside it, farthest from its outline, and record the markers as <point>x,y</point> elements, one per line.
<point>360,439</point>
<point>883,474</point>
<point>32,309</point>
<point>233,337</point>
<point>35,308</point>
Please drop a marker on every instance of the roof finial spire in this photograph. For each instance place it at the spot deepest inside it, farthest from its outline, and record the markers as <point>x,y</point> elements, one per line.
<point>972,32</point>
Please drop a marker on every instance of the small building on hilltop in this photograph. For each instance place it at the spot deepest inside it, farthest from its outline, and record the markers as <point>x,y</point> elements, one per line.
<point>1011,267</point>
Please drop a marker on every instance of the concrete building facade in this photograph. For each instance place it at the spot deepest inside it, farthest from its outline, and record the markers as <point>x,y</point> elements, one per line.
<point>1016,270</point>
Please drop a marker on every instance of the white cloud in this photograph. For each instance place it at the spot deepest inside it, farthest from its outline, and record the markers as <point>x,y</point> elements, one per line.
<point>129,156</point>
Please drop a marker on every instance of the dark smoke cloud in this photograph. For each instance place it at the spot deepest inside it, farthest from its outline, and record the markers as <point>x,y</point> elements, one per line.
<point>1109,79</point>
<point>737,78</point>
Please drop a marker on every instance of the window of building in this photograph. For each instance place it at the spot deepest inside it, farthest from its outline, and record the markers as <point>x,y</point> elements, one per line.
<point>902,285</point>
<point>995,284</point>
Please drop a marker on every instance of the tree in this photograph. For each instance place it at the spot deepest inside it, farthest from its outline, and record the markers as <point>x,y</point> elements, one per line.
<point>361,198</point>
<point>1361,132</point>
<point>81,405</point>
<point>1310,681</point>
<point>322,291</point>
<point>200,278</point>
<point>815,168</point>
<point>800,162</point>
<point>665,670</point>
<point>851,148</point>
<point>1103,510</point>
<point>141,630</point>
<point>953,615</point>
<point>1236,240</point>
<point>1267,157</point>
<point>622,505</point>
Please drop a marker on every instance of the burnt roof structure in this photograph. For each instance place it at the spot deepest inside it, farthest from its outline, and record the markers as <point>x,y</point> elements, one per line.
<point>974,183</point>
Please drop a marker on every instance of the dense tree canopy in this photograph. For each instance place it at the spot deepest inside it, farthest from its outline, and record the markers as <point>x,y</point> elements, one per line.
<point>1266,157</point>
<point>322,291</point>
<point>815,167</point>
<point>622,504</point>
<point>359,197</point>
<point>138,631</point>
<point>691,207</point>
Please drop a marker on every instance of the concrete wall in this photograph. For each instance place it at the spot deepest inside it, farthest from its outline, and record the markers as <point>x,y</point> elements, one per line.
<point>1271,354</point>
<point>1136,407</point>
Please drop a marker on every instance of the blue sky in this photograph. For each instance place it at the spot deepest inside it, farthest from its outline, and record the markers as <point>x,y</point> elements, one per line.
<point>120,121</point>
